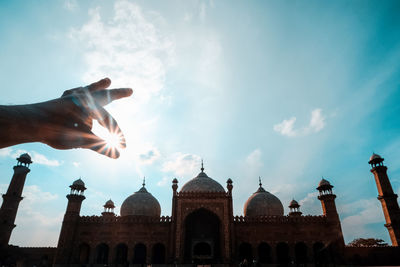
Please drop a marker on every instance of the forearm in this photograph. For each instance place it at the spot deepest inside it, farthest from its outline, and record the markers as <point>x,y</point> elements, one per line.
<point>19,124</point>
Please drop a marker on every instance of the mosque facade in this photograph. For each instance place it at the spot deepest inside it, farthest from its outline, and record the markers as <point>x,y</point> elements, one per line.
<point>203,229</point>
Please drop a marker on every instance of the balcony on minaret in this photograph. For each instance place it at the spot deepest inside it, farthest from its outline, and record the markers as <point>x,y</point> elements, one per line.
<point>75,197</point>
<point>77,187</point>
<point>108,209</point>
<point>294,208</point>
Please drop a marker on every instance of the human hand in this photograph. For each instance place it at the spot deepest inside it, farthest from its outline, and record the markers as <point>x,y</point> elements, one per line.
<point>68,120</point>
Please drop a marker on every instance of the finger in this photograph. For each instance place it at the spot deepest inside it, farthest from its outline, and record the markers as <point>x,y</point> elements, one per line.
<point>102,84</point>
<point>107,121</point>
<point>105,97</point>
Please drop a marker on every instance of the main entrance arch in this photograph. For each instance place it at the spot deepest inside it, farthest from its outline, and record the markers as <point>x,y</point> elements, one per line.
<point>202,237</point>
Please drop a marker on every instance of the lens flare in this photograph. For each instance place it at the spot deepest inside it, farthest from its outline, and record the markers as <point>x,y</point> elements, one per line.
<point>113,140</point>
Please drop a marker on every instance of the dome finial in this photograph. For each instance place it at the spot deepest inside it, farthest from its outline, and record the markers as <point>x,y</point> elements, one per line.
<point>144,181</point>
<point>259,181</point>
<point>202,166</point>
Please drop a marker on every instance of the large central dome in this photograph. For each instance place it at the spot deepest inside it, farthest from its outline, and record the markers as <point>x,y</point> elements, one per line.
<point>141,203</point>
<point>263,203</point>
<point>202,183</point>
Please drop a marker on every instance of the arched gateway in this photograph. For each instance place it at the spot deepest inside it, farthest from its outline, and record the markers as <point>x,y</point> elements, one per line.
<point>202,237</point>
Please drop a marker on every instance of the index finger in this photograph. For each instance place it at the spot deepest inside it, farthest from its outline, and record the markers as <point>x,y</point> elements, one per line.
<point>104,97</point>
<point>102,84</point>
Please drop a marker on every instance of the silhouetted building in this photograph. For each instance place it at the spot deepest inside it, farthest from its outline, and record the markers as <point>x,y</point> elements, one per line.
<point>202,229</point>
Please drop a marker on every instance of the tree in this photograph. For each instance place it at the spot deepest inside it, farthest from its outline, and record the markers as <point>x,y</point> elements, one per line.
<point>367,242</point>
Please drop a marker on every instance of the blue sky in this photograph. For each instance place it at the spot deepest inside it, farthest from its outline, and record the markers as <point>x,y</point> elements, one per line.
<point>287,90</point>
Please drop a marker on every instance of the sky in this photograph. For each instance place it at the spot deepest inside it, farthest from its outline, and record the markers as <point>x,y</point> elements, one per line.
<point>291,91</point>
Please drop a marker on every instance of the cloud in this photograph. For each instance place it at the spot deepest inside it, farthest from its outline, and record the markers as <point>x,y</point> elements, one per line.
<point>311,204</point>
<point>43,160</point>
<point>316,124</point>
<point>150,156</point>
<point>182,164</point>
<point>37,158</point>
<point>36,226</point>
<point>4,152</point>
<point>363,213</point>
<point>76,164</point>
<point>253,160</point>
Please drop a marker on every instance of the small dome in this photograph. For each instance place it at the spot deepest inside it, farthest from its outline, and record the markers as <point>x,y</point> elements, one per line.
<point>374,156</point>
<point>263,203</point>
<point>324,182</point>
<point>375,159</point>
<point>229,181</point>
<point>109,204</point>
<point>25,158</point>
<point>78,182</point>
<point>202,183</point>
<point>175,181</point>
<point>293,203</point>
<point>141,203</point>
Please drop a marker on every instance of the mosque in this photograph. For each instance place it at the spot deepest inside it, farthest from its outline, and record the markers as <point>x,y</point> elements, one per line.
<point>202,229</point>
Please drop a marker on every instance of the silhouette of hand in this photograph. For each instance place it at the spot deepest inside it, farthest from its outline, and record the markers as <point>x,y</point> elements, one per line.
<point>68,120</point>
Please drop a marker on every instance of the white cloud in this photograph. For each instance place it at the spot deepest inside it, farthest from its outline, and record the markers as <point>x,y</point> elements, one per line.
<point>363,212</point>
<point>182,164</point>
<point>253,160</point>
<point>43,160</point>
<point>4,152</point>
<point>311,204</point>
<point>149,156</point>
<point>286,127</point>
<point>316,124</point>
<point>76,164</point>
<point>36,225</point>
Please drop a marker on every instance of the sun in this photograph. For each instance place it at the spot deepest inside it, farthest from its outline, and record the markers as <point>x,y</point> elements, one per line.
<point>113,140</point>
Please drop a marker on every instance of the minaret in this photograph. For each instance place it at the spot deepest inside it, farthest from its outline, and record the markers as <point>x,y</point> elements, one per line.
<point>294,208</point>
<point>69,224</point>
<point>11,199</point>
<point>108,209</point>
<point>387,198</point>
<point>327,199</point>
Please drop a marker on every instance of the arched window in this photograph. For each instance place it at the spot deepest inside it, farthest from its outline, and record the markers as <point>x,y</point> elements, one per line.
<point>264,253</point>
<point>158,255</point>
<point>300,250</point>
<point>282,253</point>
<point>84,253</point>
<point>102,254</point>
<point>139,254</point>
<point>121,253</point>
<point>245,252</point>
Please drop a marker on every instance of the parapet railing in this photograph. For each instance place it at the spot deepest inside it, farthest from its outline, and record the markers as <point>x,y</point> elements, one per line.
<point>280,219</point>
<point>125,219</point>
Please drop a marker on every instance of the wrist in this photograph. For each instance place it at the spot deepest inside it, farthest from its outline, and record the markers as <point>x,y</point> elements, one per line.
<point>19,124</point>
